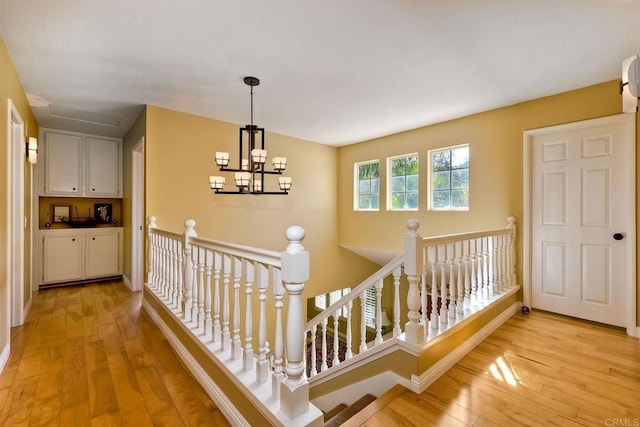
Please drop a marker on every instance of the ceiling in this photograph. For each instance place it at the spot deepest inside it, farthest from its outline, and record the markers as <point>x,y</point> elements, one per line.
<point>335,72</point>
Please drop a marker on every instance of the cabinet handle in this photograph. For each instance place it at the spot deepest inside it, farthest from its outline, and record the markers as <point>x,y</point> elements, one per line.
<point>74,189</point>
<point>73,240</point>
<point>93,189</point>
<point>93,238</point>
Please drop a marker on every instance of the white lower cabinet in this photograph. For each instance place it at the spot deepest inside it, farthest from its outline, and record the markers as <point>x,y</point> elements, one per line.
<point>80,254</point>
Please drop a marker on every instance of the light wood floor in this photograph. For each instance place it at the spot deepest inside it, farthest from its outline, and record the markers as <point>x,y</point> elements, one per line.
<point>90,356</point>
<point>536,370</point>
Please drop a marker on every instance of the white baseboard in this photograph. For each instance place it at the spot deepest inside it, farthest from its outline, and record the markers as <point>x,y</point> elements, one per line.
<point>224,404</point>
<point>127,282</point>
<point>27,308</point>
<point>420,383</point>
<point>4,356</point>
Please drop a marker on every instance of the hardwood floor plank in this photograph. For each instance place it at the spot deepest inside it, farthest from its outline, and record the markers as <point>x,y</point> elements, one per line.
<point>88,355</point>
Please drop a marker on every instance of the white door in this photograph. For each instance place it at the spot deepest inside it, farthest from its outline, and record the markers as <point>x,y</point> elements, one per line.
<point>580,223</point>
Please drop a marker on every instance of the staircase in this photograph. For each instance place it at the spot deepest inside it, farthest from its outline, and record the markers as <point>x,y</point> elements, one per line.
<point>361,410</point>
<point>444,294</point>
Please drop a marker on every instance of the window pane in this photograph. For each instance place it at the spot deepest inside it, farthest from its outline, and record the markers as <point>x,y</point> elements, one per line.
<point>441,160</point>
<point>412,165</point>
<point>363,171</point>
<point>460,178</point>
<point>412,183</point>
<point>375,186</point>
<point>397,201</point>
<point>375,170</point>
<point>397,184</point>
<point>412,200</point>
<point>441,180</point>
<point>365,186</point>
<point>364,202</point>
<point>375,201</point>
<point>460,158</point>
<point>398,167</point>
<point>460,198</point>
<point>441,199</point>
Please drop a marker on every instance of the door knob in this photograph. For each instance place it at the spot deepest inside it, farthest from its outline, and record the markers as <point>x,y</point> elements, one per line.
<point>618,236</point>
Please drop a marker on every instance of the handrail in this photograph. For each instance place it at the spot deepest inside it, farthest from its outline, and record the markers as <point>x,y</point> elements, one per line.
<point>355,292</point>
<point>263,256</point>
<point>452,238</point>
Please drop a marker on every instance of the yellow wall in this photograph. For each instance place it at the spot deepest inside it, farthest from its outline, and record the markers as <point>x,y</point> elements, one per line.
<point>11,88</point>
<point>179,159</point>
<point>496,171</point>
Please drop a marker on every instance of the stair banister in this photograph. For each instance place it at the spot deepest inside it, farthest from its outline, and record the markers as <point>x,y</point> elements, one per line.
<point>187,296</point>
<point>413,265</point>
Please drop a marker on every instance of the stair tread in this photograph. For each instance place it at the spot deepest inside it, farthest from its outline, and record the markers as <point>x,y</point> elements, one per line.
<point>376,406</point>
<point>349,411</point>
<point>334,411</point>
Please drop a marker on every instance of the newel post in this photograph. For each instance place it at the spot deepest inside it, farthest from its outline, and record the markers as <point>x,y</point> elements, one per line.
<point>151,225</point>
<point>187,293</point>
<point>294,391</point>
<point>413,266</point>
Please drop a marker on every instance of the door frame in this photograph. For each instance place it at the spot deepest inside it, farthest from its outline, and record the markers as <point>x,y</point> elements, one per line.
<point>630,281</point>
<point>15,214</point>
<point>137,215</point>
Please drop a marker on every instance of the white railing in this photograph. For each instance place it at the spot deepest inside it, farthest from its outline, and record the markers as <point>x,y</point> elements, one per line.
<point>450,278</point>
<point>206,282</point>
<point>209,286</point>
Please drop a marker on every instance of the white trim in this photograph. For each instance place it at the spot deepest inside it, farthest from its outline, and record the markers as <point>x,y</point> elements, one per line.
<point>630,121</point>
<point>4,356</point>
<point>137,216</point>
<point>15,215</point>
<point>420,383</point>
<point>27,307</point>
<point>127,282</point>
<point>224,404</point>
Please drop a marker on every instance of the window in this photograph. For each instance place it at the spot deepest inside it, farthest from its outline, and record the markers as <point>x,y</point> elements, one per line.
<point>322,302</point>
<point>449,178</point>
<point>370,307</point>
<point>403,183</point>
<point>367,186</point>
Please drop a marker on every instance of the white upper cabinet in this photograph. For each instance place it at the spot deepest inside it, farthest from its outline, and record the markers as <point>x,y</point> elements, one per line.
<point>81,165</point>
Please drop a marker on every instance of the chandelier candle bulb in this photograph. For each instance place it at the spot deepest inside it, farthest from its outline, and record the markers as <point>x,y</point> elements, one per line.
<point>242,179</point>
<point>245,164</point>
<point>279,163</point>
<point>259,156</point>
<point>222,158</point>
<point>257,185</point>
<point>217,182</point>
<point>285,183</point>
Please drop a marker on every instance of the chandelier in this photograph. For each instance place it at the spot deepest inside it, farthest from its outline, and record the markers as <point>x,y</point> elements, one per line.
<point>250,173</point>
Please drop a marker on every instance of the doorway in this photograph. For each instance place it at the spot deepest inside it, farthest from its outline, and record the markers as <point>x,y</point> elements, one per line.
<point>579,235</point>
<point>137,216</point>
<point>15,214</point>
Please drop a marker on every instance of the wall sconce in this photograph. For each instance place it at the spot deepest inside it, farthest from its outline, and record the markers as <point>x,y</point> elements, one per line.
<point>630,84</point>
<point>32,150</point>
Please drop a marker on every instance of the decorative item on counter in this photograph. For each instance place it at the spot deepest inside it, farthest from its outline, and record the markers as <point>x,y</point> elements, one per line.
<point>47,224</point>
<point>103,213</point>
<point>115,222</point>
<point>80,222</point>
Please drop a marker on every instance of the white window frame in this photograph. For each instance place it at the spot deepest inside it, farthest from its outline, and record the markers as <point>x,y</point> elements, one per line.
<point>389,186</point>
<point>356,185</point>
<point>324,301</point>
<point>430,173</point>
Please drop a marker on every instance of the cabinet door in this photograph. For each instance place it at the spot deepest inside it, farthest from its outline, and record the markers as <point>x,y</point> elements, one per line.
<point>63,163</point>
<point>103,254</point>
<point>103,167</point>
<point>62,257</point>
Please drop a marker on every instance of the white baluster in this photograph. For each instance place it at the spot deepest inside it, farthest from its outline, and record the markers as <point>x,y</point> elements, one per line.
<point>195,289</point>
<point>226,274</point>
<point>236,344</point>
<point>512,251</point>
<point>294,393</point>
<point>247,356</point>
<point>180,273</point>
<point>363,322</point>
<point>336,339</point>
<point>486,288</point>
<point>262,279</point>
<point>278,372</point>
<point>453,285</point>
<point>413,265</point>
<point>323,362</point>
<point>466,246</point>
<point>202,289</point>
<point>396,301</point>
<point>378,339</point>
<point>217,328</point>
<point>424,298</point>
<point>187,302</point>
<point>151,226</point>
<point>460,280</point>
<point>473,255</point>
<point>444,311</point>
<point>208,269</point>
<point>314,350</point>
<point>348,353</point>
<point>434,319</point>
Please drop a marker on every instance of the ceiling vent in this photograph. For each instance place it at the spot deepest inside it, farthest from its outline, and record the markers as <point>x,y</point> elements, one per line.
<point>83,116</point>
